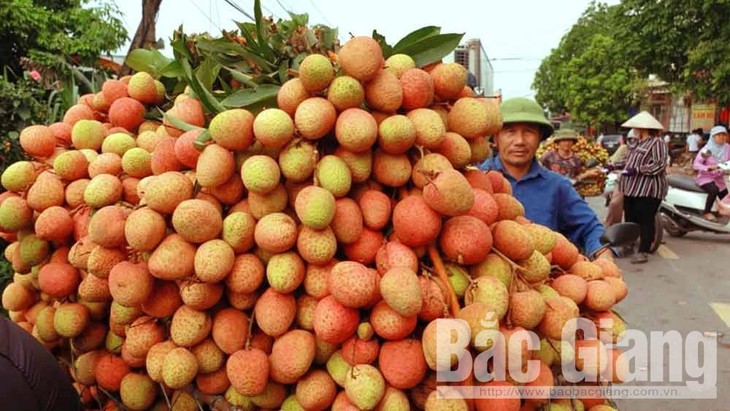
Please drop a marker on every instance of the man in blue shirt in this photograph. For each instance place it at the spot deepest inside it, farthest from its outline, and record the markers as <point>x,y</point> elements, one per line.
<point>549,198</point>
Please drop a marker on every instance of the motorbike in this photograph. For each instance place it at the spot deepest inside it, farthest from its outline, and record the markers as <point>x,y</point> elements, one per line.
<point>682,209</point>
<point>612,178</point>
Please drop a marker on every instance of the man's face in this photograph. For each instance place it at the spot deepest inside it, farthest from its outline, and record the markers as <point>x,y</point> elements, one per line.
<point>517,143</point>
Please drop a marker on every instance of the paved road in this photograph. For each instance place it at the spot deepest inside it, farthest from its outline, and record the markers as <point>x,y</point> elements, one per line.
<point>677,290</point>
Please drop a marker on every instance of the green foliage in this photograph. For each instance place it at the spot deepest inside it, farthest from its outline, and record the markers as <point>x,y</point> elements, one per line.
<point>426,45</point>
<point>6,275</point>
<point>246,67</point>
<point>601,87</point>
<point>611,47</point>
<point>243,68</point>
<point>46,30</point>
<point>684,43</point>
<point>588,74</point>
<point>22,103</point>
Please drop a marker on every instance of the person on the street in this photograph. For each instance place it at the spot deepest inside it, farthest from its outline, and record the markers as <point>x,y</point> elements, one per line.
<point>644,180</point>
<point>549,198</point>
<point>709,177</point>
<point>563,160</point>
<point>619,156</point>
<point>694,141</point>
<point>615,206</point>
<point>30,377</point>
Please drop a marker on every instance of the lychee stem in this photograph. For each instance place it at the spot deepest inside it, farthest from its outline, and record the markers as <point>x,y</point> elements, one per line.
<point>438,266</point>
<point>164,394</point>
<point>111,397</point>
<point>250,331</point>
<point>403,192</point>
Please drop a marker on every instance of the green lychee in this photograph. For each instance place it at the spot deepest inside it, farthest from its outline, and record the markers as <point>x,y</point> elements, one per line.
<point>298,160</point>
<point>19,176</point>
<point>333,174</point>
<point>260,174</point>
<point>136,162</point>
<point>118,143</point>
<point>364,386</point>
<point>88,134</point>
<point>315,207</point>
<point>316,72</point>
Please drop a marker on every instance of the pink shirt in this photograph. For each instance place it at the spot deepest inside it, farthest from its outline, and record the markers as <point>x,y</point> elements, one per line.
<point>705,176</point>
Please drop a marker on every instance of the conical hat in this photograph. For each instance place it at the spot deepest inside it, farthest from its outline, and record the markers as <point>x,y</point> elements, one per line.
<point>643,120</point>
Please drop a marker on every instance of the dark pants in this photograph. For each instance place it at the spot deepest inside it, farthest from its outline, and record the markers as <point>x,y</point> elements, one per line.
<point>642,210</point>
<point>713,192</point>
<point>30,377</point>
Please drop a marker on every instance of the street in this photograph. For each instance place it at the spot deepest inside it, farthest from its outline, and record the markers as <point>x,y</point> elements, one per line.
<point>683,287</point>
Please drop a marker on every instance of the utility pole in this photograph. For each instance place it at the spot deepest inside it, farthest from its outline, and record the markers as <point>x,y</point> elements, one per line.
<point>145,35</point>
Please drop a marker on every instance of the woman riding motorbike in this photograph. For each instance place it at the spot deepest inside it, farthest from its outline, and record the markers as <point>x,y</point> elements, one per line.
<point>709,177</point>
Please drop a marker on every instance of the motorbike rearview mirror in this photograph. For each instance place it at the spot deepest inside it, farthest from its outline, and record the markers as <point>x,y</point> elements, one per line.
<point>621,234</point>
<point>591,163</point>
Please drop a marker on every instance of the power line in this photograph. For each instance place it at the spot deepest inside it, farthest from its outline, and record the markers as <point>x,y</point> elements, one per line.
<point>282,7</point>
<point>204,14</point>
<point>516,70</point>
<point>239,9</point>
<point>269,11</point>
<point>320,13</point>
<point>515,59</point>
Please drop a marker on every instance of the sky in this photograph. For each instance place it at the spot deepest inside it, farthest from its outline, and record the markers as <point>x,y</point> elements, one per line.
<point>516,34</point>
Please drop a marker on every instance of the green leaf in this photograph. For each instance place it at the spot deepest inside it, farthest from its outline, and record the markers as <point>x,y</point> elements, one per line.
<point>416,36</point>
<point>227,52</point>
<point>432,49</point>
<point>299,20</point>
<point>172,70</point>
<point>329,36</point>
<point>251,96</point>
<point>384,46</point>
<point>210,103</point>
<point>207,72</point>
<point>298,60</point>
<point>261,31</point>
<point>252,49</point>
<point>241,77</point>
<point>179,124</point>
<point>151,61</point>
<point>283,67</point>
<point>179,45</point>
<point>202,139</point>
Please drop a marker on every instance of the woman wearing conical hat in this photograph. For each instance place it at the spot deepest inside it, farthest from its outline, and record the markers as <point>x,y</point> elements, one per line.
<point>644,180</point>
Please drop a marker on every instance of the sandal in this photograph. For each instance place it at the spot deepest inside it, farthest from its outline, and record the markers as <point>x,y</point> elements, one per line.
<point>639,258</point>
<point>710,217</point>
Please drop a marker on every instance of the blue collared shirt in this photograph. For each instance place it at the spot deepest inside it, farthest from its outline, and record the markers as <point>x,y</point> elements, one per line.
<point>550,199</point>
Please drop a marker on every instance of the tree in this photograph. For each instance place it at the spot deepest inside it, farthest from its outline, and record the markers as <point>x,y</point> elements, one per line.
<point>601,88</point>
<point>588,74</point>
<point>54,33</point>
<point>145,36</point>
<point>685,43</point>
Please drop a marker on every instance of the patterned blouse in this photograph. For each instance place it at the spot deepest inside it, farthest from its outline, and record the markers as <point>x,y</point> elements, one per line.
<point>650,160</point>
<point>569,167</point>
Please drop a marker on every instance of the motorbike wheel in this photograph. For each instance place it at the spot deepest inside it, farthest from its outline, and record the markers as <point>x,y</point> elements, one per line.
<point>671,227</point>
<point>658,233</point>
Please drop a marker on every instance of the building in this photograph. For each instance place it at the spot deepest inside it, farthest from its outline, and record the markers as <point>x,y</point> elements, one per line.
<point>472,55</point>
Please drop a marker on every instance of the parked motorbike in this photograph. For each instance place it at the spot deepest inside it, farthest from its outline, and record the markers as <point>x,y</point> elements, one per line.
<point>683,207</point>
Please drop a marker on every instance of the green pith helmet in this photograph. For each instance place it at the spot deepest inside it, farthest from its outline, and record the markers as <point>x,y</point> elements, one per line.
<point>524,110</point>
<point>565,134</point>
